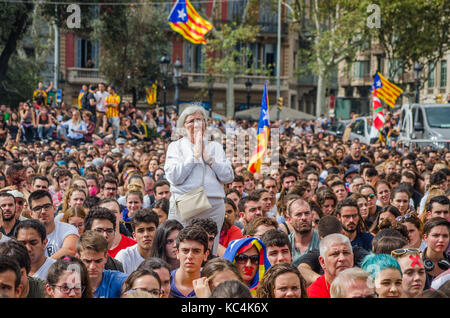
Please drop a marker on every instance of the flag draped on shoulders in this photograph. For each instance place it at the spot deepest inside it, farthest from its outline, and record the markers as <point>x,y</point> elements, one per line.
<point>185,20</point>
<point>262,134</point>
<point>386,90</point>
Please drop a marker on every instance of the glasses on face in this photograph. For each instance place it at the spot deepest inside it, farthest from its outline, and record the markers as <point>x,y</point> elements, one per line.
<point>404,217</point>
<point>155,292</point>
<point>38,209</point>
<point>66,289</point>
<point>370,196</point>
<point>402,251</point>
<point>101,231</point>
<point>243,259</point>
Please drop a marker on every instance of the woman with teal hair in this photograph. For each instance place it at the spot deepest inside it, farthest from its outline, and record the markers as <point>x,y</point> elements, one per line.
<point>386,273</point>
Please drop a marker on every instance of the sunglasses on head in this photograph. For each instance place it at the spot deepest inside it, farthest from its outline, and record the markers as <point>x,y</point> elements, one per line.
<point>405,217</point>
<point>242,258</point>
<point>402,251</point>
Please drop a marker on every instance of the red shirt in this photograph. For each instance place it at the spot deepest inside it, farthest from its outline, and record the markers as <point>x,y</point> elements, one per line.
<point>124,243</point>
<point>233,233</point>
<point>319,289</point>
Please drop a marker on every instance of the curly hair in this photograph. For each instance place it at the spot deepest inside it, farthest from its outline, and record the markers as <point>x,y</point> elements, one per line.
<point>267,284</point>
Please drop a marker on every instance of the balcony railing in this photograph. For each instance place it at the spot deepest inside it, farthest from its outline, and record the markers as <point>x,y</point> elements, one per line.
<point>79,75</point>
<point>200,79</point>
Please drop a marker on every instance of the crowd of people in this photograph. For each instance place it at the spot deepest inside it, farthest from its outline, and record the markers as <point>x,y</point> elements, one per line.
<point>103,200</point>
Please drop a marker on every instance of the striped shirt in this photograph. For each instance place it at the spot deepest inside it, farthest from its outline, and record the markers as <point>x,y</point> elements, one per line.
<point>112,111</point>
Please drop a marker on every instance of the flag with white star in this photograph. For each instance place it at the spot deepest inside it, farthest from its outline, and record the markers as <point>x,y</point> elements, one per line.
<point>262,137</point>
<point>185,20</point>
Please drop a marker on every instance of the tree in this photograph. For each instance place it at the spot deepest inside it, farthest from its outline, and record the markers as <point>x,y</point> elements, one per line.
<point>132,38</point>
<point>413,31</point>
<point>16,20</point>
<point>335,32</point>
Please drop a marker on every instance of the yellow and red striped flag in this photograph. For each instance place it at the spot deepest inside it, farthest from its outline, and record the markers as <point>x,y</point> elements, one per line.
<point>150,94</point>
<point>262,137</point>
<point>386,90</point>
<point>185,20</point>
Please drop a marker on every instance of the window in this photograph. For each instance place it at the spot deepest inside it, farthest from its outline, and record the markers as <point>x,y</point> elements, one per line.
<point>193,58</point>
<point>431,76</point>
<point>443,73</point>
<point>361,69</point>
<point>269,58</point>
<point>87,53</point>
<point>236,9</point>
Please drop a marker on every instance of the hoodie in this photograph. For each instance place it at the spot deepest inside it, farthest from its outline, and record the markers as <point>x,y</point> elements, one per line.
<point>240,246</point>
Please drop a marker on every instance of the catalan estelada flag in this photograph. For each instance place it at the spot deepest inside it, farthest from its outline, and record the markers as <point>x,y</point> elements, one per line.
<point>386,90</point>
<point>378,116</point>
<point>185,20</point>
<point>262,134</point>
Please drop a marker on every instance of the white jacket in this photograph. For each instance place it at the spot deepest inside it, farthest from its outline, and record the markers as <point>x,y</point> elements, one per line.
<point>184,173</point>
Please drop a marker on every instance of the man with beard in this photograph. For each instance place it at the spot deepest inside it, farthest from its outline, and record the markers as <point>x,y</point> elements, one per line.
<point>355,159</point>
<point>347,212</point>
<point>8,213</point>
<point>304,238</point>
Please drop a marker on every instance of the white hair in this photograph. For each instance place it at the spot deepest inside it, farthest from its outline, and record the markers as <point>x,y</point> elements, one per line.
<point>333,238</point>
<point>189,110</point>
<point>345,278</point>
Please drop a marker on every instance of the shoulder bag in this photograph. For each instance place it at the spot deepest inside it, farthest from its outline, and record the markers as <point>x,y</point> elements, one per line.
<point>194,202</point>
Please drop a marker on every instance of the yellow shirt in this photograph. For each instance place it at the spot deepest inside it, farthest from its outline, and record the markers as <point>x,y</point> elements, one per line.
<point>112,111</point>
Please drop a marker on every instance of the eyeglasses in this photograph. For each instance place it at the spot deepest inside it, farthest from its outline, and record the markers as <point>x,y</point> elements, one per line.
<point>402,251</point>
<point>155,292</point>
<point>243,259</point>
<point>66,289</point>
<point>191,122</point>
<point>38,209</point>
<point>101,231</point>
<point>370,196</point>
<point>405,217</point>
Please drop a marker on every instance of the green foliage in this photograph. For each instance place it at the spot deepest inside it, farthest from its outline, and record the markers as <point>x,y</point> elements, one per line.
<point>133,40</point>
<point>413,31</point>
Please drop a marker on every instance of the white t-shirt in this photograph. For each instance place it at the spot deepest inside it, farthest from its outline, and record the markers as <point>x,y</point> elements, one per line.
<point>101,97</point>
<point>4,238</point>
<point>43,270</point>
<point>56,238</point>
<point>130,258</point>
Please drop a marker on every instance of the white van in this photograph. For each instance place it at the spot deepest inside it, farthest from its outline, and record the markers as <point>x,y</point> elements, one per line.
<point>425,124</point>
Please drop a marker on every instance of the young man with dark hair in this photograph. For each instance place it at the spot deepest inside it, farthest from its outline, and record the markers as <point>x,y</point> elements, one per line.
<point>40,183</point>
<point>9,278</point>
<point>439,206</point>
<point>339,189</point>
<point>249,208</point>
<point>162,189</point>
<point>92,249</point>
<point>32,234</point>
<point>347,212</point>
<point>192,251</point>
<point>103,221</point>
<point>122,237</point>
<point>144,224</point>
<point>62,237</point>
<point>266,201</point>
<point>109,187</point>
<point>288,178</point>
<point>8,214</point>
<point>32,287</point>
<point>278,247</point>
<point>210,227</point>
<point>239,185</point>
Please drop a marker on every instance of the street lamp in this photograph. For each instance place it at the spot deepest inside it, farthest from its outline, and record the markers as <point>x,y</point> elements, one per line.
<point>177,67</point>
<point>417,69</point>
<point>248,85</point>
<point>164,68</point>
